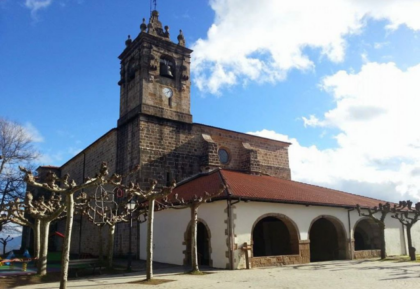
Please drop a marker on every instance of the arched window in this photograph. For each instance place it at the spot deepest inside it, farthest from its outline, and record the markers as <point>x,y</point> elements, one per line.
<point>131,69</point>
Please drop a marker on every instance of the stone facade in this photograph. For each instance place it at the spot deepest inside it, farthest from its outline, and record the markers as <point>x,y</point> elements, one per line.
<point>85,236</point>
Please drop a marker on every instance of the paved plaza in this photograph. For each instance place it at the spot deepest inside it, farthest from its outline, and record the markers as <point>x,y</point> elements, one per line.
<point>335,274</point>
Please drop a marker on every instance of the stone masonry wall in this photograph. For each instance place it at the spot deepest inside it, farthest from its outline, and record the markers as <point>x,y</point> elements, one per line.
<point>169,149</point>
<point>89,161</point>
<point>250,153</point>
<point>266,261</point>
<point>366,254</point>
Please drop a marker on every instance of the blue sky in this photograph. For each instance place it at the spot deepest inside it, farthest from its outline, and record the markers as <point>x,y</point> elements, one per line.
<point>337,78</point>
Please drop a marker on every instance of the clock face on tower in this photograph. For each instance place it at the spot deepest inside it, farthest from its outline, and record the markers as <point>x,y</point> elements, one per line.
<point>167,92</point>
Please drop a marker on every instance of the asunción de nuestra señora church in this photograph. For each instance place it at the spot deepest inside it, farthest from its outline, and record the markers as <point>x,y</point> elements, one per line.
<point>262,218</point>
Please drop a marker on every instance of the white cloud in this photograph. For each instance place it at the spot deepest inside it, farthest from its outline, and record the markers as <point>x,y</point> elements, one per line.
<point>262,40</point>
<point>33,133</point>
<point>379,45</point>
<point>378,144</point>
<point>53,159</point>
<point>35,5</point>
<point>58,157</point>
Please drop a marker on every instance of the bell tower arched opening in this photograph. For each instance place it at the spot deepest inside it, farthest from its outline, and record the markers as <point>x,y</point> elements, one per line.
<point>167,67</point>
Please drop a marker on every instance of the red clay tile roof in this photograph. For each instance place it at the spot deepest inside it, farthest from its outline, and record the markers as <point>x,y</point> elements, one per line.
<point>269,189</point>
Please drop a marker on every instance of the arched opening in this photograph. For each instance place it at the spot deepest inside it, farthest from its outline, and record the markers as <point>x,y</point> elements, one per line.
<point>203,245</point>
<point>203,251</point>
<point>131,69</point>
<point>273,236</point>
<point>327,240</point>
<point>167,67</point>
<point>366,235</point>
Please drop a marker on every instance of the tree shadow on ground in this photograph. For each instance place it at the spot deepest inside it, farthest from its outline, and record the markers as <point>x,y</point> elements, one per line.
<point>119,271</point>
<point>402,270</point>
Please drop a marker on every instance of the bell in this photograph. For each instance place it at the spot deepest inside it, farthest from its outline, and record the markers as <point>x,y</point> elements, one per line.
<point>165,70</point>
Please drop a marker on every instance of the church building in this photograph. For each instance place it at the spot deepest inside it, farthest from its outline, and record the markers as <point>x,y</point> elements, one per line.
<point>263,217</point>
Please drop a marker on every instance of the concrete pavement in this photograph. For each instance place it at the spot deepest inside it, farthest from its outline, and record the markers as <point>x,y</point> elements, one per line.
<point>334,274</point>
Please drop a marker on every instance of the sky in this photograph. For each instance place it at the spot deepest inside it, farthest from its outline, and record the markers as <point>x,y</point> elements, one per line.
<point>338,79</point>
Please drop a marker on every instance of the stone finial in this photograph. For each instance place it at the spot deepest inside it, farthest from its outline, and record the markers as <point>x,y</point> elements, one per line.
<point>128,41</point>
<point>150,28</point>
<point>181,39</point>
<point>155,26</point>
<point>143,26</point>
<point>166,34</point>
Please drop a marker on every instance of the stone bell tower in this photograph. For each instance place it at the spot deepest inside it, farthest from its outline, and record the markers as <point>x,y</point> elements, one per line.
<point>155,75</point>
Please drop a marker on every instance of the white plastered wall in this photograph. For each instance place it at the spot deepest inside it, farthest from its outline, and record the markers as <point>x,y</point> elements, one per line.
<point>394,236</point>
<point>170,226</point>
<point>169,229</point>
<point>415,236</point>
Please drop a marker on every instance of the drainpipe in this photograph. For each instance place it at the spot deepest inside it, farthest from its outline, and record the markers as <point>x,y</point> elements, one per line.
<point>231,233</point>
<point>350,243</point>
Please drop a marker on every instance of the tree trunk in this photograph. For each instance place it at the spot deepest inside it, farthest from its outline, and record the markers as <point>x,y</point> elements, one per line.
<point>194,220</point>
<point>382,235</point>
<point>149,261</point>
<point>411,252</point>
<point>101,247</point>
<point>67,241</point>
<point>44,234</point>
<point>111,236</point>
<point>37,242</point>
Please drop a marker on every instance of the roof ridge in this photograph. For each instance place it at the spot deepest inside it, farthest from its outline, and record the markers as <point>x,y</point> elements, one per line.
<point>196,176</point>
<point>225,183</point>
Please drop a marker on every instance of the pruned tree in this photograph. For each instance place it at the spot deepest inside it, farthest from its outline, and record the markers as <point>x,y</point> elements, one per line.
<point>14,212</point>
<point>38,215</point>
<point>4,242</point>
<point>45,211</point>
<point>68,189</point>
<point>102,210</point>
<point>174,202</point>
<point>382,210</point>
<point>16,148</point>
<point>408,216</point>
<point>149,196</point>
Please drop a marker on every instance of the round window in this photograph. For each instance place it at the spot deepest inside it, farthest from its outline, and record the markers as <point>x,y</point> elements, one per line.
<point>223,156</point>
